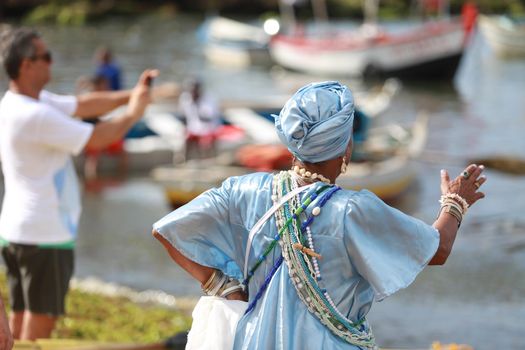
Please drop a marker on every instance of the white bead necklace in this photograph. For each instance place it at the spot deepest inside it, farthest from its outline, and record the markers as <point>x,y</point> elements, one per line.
<point>305,174</point>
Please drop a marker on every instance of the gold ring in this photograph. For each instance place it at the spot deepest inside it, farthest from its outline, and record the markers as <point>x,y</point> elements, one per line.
<point>465,174</point>
<point>476,184</point>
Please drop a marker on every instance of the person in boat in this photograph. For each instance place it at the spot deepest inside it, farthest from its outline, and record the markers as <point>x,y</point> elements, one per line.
<point>342,250</point>
<point>41,204</point>
<point>202,117</point>
<point>107,67</point>
<point>107,77</point>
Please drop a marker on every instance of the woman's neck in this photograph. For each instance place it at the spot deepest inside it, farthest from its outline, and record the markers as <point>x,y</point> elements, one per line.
<point>326,171</point>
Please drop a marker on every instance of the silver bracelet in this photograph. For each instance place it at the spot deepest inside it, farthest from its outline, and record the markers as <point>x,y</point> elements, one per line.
<point>230,287</point>
<point>214,283</point>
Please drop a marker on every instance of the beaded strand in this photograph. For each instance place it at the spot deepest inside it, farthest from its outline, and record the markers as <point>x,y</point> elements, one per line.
<point>276,238</point>
<point>303,267</point>
<point>317,272</point>
<point>267,280</point>
<point>314,297</point>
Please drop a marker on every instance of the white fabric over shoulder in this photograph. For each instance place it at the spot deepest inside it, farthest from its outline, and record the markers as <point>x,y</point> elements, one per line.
<point>214,323</point>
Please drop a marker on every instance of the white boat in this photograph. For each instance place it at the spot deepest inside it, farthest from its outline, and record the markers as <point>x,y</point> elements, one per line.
<point>505,36</point>
<point>391,167</point>
<point>388,172</point>
<point>167,146</point>
<point>247,115</point>
<point>430,49</point>
<point>232,43</point>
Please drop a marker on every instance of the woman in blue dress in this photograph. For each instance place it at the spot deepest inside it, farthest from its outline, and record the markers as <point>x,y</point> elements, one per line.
<point>312,270</point>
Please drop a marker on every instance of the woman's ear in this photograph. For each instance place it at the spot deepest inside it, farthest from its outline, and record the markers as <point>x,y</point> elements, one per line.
<point>348,152</point>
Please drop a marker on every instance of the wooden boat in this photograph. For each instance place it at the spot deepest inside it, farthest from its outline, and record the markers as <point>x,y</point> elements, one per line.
<point>388,171</point>
<point>373,102</point>
<point>390,168</point>
<point>139,153</point>
<point>246,115</point>
<point>428,49</point>
<point>504,35</point>
<point>232,43</point>
<point>514,165</point>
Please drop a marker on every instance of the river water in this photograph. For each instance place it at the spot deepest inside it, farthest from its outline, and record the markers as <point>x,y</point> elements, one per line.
<point>477,298</point>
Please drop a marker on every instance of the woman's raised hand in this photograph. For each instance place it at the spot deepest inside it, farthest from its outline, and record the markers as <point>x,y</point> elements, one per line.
<point>466,185</point>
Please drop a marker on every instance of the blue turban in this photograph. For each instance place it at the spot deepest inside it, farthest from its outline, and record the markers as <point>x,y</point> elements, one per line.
<point>316,123</point>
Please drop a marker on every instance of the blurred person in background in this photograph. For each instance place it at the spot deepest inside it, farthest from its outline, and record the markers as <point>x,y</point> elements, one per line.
<point>108,68</point>
<point>203,119</point>
<point>41,205</point>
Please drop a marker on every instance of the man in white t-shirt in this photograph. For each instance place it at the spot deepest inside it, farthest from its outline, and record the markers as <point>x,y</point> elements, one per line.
<point>41,205</point>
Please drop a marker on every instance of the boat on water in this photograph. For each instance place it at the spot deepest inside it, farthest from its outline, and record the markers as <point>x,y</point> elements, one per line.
<point>245,122</point>
<point>228,42</point>
<point>387,168</point>
<point>162,138</point>
<point>430,48</point>
<point>504,35</point>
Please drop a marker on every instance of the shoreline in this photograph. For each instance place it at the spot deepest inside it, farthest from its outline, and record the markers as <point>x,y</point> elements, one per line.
<point>97,286</point>
<point>98,311</point>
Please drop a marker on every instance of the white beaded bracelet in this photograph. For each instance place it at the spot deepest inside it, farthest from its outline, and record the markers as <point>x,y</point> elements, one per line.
<point>457,198</point>
<point>452,203</point>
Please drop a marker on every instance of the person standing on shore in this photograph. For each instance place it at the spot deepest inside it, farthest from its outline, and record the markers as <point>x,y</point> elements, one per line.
<point>312,257</point>
<point>41,205</point>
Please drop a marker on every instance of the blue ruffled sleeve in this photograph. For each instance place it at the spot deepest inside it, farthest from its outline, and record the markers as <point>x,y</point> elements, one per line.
<point>201,230</point>
<point>387,247</point>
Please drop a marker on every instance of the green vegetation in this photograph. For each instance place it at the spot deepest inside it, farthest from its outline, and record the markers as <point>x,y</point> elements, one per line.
<point>78,12</point>
<point>113,319</point>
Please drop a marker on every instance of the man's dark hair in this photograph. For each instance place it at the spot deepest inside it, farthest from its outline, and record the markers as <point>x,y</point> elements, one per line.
<point>16,46</point>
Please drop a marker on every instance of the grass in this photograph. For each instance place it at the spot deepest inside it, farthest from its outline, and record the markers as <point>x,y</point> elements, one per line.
<point>114,319</point>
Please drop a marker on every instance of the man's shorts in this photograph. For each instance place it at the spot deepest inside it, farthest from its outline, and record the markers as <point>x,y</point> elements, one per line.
<point>38,277</point>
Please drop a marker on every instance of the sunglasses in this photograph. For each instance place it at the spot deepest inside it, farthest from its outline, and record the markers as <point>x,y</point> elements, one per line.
<point>46,57</point>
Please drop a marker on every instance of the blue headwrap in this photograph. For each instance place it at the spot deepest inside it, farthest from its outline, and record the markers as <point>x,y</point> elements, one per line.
<point>316,123</point>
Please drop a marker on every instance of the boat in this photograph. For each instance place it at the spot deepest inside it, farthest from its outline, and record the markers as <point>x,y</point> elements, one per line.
<point>388,169</point>
<point>504,35</point>
<point>140,151</point>
<point>430,48</point>
<point>228,42</point>
<point>250,120</point>
<point>161,139</point>
<point>389,166</point>
<point>514,165</point>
